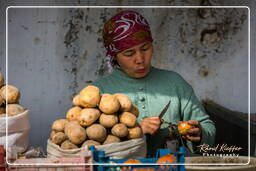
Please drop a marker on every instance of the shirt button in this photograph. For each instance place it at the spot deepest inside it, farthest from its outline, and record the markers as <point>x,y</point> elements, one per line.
<point>142,99</point>
<point>141,88</point>
<point>143,107</point>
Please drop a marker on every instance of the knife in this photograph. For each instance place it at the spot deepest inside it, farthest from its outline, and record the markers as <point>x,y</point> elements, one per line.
<point>161,115</point>
<point>164,111</point>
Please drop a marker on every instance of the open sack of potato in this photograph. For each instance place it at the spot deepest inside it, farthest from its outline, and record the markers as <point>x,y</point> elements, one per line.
<point>13,116</point>
<point>107,121</point>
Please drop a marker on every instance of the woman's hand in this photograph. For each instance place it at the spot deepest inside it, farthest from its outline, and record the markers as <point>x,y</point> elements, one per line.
<point>195,133</point>
<point>150,125</point>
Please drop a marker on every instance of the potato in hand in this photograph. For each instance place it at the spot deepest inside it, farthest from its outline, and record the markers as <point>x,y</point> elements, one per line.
<point>183,127</point>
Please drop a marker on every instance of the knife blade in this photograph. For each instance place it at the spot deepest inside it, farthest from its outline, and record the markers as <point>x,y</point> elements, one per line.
<point>160,116</point>
<point>164,110</point>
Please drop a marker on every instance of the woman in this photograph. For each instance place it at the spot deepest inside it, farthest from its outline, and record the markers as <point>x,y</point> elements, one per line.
<point>128,41</point>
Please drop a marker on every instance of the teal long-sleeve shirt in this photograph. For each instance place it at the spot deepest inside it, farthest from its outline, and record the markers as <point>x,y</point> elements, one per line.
<point>152,93</point>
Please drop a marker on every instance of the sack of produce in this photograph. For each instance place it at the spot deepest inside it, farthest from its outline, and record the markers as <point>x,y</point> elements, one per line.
<point>135,148</point>
<point>18,127</point>
<point>14,117</point>
<point>107,121</point>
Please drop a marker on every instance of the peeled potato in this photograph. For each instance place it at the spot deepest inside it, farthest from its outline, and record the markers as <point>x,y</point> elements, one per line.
<point>1,80</point>
<point>73,113</point>
<point>125,102</point>
<point>14,109</point>
<point>88,116</point>
<point>108,121</point>
<point>128,119</point>
<point>59,125</point>
<point>135,132</point>
<point>68,145</point>
<point>13,93</point>
<point>96,132</point>
<point>76,134</point>
<point>109,104</point>
<point>119,130</point>
<point>58,138</point>
<point>183,127</point>
<point>111,139</point>
<point>89,96</point>
<point>90,143</point>
<point>134,110</point>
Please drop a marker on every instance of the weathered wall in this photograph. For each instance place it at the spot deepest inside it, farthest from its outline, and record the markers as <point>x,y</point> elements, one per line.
<point>53,53</point>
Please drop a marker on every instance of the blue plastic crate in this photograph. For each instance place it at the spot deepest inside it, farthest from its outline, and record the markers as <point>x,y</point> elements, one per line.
<point>113,164</point>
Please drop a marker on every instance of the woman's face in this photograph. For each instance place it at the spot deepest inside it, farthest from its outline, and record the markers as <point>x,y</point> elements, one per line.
<point>136,61</point>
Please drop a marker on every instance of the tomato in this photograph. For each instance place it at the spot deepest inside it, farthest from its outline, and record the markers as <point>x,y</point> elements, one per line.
<point>183,127</point>
<point>134,161</point>
<point>169,158</point>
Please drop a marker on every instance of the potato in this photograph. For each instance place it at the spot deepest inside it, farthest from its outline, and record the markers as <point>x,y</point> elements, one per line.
<point>73,113</point>
<point>128,119</point>
<point>109,104</point>
<point>88,116</point>
<point>119,130</point>
<point>89,96</point>
<point>96,132</point>
<point>13,93</point>
<point>2,110</point>
<point>52,133</point>
<point>14,109</point>
<point>5,115</point>
<point>2,115</point>
<point>108,121</point>
<point>58,138</point>
<point>76,134</point>
<point>1,100</point>
<point>135,132</point>
<point>68,145</point>
<point>111,139</point>
<point>125,102</point>
<point>90,143</point>
<point>134,110</point>
<point>75,100</point>
<point>59,125</point>
<point>1,80</point>
<point>71,124</point>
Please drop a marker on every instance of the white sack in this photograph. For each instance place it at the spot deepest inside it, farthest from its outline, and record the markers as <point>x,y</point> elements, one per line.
<point>18,131</point>
<point>135,148</point>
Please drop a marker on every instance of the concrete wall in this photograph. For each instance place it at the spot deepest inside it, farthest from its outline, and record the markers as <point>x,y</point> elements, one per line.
<point>53,53</point>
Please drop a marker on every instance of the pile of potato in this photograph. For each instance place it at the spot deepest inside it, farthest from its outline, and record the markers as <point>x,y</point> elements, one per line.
<point>11,98</point>
<point>96,119</point>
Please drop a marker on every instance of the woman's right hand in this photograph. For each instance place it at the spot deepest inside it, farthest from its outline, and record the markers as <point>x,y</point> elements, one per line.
<point>150,125</point>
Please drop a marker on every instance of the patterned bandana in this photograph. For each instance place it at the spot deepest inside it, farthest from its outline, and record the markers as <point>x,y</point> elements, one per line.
<point>123,31</point>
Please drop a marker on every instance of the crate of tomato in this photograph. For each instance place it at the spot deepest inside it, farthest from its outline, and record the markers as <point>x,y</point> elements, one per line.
<point>163,161</point>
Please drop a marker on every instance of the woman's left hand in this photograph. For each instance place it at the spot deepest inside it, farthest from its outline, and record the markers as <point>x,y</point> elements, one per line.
<point>195,133</point>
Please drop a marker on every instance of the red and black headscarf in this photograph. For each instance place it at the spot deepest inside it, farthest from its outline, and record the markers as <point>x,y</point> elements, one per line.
<point>123,31</point>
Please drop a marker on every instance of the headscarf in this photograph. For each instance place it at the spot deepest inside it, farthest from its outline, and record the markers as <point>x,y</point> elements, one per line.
<point>123,31</point>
